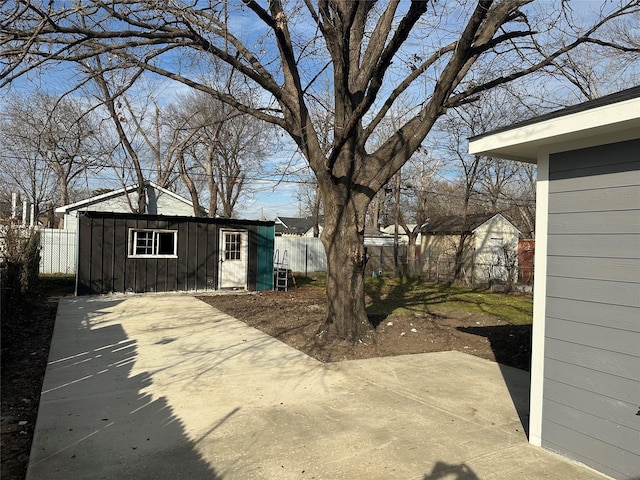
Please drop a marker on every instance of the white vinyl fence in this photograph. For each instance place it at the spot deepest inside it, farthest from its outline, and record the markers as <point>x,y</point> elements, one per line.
<point>304,254</point>
<point>58,254</point>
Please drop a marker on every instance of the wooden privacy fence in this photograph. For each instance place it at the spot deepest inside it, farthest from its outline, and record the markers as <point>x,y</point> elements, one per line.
<point>59,251</point>
<point>304,254</point>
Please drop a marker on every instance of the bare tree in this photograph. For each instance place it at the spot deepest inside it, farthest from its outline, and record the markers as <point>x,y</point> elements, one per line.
<point>522,199</point>
<point>220,145</point>
<point>109,91</point>
<point>374,54</point>
<point>595,71</point>
<point>310,199</point>
<point>160,135</point>
<point>471,168</point>
<point>495,180</point>
<point>51,139</point>
<point>417,195</point>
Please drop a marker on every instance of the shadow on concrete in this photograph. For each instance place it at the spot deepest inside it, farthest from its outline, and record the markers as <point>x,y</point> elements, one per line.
<point>511,345</point>
<point>445,471</point>
<point>96,421</point>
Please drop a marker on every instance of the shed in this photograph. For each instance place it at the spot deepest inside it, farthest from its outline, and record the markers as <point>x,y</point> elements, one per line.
<point>120,252</point>
<point>585,373</point>
<point>60,246</point>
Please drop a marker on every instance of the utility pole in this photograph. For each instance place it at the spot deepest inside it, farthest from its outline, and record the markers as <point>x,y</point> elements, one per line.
<point>395,227</point>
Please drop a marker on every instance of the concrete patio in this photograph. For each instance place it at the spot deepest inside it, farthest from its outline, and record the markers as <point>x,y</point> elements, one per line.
<point>167,387</point>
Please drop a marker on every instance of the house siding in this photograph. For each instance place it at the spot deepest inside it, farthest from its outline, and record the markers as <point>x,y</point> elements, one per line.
<point>158,203</point>
<point>592,336</point>
<point>488,263</point>
<point>438,257</point>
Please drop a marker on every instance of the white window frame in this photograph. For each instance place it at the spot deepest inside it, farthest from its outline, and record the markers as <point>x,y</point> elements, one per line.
<point>153,246</point>
<point>236,252</point>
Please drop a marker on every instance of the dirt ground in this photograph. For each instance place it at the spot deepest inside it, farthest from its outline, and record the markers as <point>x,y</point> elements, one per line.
<point>295,316</point>
<point>26,337</point>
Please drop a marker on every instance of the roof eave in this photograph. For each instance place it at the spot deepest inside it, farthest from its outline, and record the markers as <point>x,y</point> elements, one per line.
<point>597,126</point>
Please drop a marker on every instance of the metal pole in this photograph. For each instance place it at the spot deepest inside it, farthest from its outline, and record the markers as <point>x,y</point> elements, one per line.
<point>395,227</point>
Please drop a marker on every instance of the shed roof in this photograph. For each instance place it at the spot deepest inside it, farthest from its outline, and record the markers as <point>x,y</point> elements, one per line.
<point>182,218</point>
<point>612,118</point>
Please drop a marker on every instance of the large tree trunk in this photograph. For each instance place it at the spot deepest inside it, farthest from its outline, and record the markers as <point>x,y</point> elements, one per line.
<point>343,240</point>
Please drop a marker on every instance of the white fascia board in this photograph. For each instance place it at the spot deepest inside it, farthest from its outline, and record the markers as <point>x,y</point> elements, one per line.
<point>614,122</point>
<point>117,193</point>
<point>93,200</point>
<point>171,194</point>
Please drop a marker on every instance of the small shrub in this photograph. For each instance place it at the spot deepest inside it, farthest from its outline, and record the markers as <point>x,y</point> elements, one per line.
<point>20,258</point>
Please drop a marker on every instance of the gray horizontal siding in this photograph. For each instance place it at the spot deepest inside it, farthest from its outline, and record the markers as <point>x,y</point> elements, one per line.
<point>599,291</point>
<point>596,336</point>
<point>595,182</point>
<point>594,222</point>
<point>616,158</point>
<point>602,406</point>
<point>621,365</point>
<point>609,316</point>
<point>592,334</point>
<point>608,246</point>
<point>596,200</point>
<point>570,417</point>
<point>599,383</point>
<point>612,269</point>
<point>608,459</point>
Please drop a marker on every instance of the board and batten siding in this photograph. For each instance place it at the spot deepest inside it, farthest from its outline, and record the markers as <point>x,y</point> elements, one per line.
<point>104,265</point>
<point>592,337</point>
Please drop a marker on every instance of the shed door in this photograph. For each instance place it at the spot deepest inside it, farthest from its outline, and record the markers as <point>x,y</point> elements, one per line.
<point>233,259</point>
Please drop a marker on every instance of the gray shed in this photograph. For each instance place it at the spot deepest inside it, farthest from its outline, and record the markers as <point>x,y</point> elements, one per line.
<point>585,373</point>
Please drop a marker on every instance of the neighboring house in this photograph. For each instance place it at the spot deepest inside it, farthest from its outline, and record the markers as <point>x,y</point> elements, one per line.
<point>303,227</point>
<point>585,373</point>
<point>296,226</point>
<point>490,252</point>
<point>160,201</point>
<point>124,252</point>
<point>377,238</point>
<point>403,237</point>
<point>59,246</point>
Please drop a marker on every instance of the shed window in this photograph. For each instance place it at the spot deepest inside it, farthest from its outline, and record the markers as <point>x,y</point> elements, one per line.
<point>153,243</point>
<point>232,246</point>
